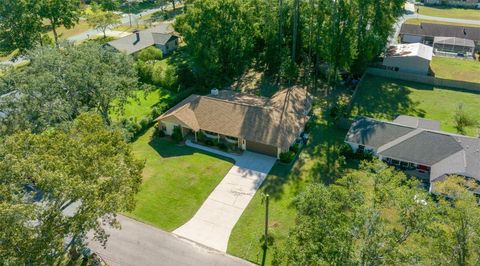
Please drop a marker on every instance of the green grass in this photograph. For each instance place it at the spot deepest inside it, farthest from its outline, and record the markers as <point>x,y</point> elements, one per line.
<point>64,33</point>
<point>142,106</point>
<point>316,163</point>
<point>386,98</point>
<point>176,181</point>
<point>449,12</point>
<point>457,69</point>
<point>417,21</point>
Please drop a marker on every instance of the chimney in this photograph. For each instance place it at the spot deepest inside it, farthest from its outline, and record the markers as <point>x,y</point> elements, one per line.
<point>214,92</point>
<point>137,35</point>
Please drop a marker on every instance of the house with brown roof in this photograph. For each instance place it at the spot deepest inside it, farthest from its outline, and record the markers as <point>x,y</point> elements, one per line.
<point>265,125</point>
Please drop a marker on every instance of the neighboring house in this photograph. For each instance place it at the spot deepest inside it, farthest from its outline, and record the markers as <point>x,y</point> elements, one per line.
<point>453,46</point>
<point>462,3</point>
<point>161,36</point>
<point>411,58</point>
<point>268,126</point>
<point>426,32</point>
<point>417,146</point>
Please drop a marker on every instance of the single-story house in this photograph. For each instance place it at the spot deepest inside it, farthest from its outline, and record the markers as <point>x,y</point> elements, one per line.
<point>453,46</point>
<point>161,36</point>
<point>426,32</point>
<point>412,58</point>
<point>462,3</point>
<point>265,125</point>
<point>418,146</point>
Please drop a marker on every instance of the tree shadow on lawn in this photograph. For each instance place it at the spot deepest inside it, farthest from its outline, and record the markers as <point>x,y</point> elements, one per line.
<point>386,99</point>
<point>167,148</point>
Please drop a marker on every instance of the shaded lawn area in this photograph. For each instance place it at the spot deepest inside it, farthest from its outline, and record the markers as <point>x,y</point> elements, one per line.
<point>417,21</point>
<point>456,69</point>
<point>176,181</point>
<point>384,98</point>
<point>318,162</point>
<point>449,12</point>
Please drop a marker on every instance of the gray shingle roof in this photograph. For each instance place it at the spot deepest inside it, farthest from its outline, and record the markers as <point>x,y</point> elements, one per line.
<point>418,141</point>
<point>374,133</point>
<point>417,122</point>
<point>160,34</point>
<point>434,30</point>
<point>426,148</point>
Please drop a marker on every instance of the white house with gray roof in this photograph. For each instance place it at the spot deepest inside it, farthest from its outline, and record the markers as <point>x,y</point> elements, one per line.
<point>417,146</point>
<point>161,36</point>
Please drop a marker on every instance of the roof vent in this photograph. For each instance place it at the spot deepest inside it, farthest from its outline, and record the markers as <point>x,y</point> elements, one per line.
<point>214,92</point>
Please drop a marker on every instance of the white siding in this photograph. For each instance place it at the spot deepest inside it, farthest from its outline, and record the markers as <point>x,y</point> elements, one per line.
<point>169,127</point>
<point>408,64</point>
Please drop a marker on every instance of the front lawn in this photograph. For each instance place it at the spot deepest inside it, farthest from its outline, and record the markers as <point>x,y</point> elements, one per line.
<point>318,162</point>
<point>457,69</point>
<point>384,98</point>
<point>64,33</point>
<point>176,181</point>
<point>449,12</point>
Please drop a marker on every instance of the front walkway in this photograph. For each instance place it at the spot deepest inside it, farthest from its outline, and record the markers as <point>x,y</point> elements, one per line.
<point>212,224</point>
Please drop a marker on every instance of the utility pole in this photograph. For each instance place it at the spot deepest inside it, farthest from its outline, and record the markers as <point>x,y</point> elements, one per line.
<point>265,244</point>
<point>130,13</point>
<point>266,219</point>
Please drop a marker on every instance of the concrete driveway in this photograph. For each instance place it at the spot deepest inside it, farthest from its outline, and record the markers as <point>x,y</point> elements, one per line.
<point>212,224</point>
<point>141,244</point>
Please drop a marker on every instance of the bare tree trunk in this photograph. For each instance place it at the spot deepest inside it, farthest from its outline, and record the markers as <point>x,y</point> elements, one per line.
<point>280,20</point>
<point>296,10</point>
<point>54,29</point>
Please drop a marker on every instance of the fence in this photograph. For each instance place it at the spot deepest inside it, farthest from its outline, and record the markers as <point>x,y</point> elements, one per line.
<point>429,80</point>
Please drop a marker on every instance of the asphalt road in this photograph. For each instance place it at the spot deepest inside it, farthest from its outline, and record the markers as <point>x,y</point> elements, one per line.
<point>140,244</point>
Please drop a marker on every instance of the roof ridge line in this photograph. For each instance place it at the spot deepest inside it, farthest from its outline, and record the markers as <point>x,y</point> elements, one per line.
<point>399,140</point>
<point>244,104</point>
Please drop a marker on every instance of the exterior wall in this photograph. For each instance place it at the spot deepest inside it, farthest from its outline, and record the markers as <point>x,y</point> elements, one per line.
<point>410,64</point>
<point>457,84</point>
<point>169,127</point>
<point>169,47</point>
<point>412,39</point>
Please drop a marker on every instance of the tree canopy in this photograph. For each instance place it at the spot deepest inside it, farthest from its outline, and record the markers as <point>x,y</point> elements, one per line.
<point>224,37</point>
<point>103,20</point>
<point>378,216</point>
<point>60,13</point>
<point>61,83</point>
<point>57,186</point>
<point>20,24</point>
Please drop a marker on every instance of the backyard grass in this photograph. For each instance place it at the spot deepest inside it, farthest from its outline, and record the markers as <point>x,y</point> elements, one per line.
<point>386,98</point>
<point>417,21</point>
<point>142,106</point>
<point>176,181</point>
<point>449,12</point>
<point>318,162</point>
<point>457,69</point>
